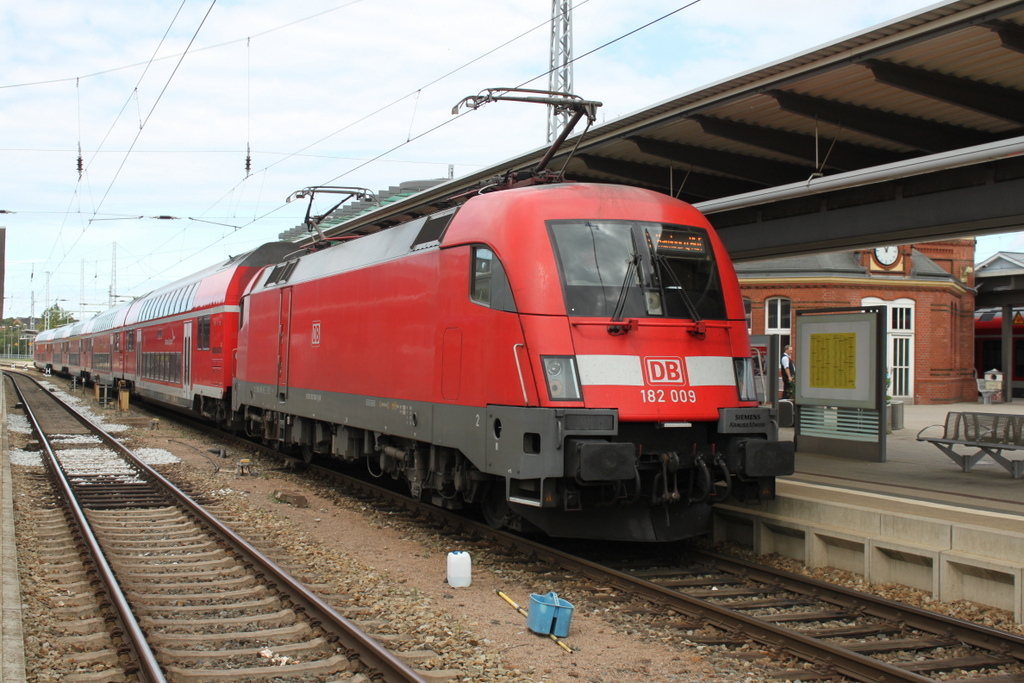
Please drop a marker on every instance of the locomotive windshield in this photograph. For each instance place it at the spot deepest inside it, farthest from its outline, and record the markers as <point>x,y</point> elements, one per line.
<point>630,269</point>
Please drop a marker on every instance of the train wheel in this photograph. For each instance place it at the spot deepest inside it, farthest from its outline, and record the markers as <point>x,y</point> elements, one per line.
<point>495,508</point>
<point>307,453</point>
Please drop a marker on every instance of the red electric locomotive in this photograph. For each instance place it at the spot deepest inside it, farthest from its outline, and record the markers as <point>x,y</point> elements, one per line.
<point>572,357</point>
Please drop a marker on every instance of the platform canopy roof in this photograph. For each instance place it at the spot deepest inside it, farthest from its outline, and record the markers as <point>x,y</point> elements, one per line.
<point>910,130</point>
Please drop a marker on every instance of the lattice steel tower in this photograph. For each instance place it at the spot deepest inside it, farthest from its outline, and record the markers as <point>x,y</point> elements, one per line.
<point>560,74</point>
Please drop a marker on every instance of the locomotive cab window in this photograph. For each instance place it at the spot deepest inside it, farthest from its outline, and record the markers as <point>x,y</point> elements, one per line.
<point>488,284</point>
<point>634,269</point>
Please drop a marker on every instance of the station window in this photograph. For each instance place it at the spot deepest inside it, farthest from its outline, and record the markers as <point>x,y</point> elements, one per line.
<point>778,318</point>
<point>900,342</point>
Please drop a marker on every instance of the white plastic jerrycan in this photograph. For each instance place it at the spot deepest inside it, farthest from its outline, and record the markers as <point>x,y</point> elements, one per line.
<point>460,569</point>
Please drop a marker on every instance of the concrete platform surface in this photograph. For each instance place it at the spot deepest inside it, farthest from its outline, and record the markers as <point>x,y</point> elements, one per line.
<point>12,645</point>
<point>917,470</point>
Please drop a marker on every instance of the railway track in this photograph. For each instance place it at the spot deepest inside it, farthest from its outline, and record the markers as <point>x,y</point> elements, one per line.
<point>179,595</point>
<point>759,611</point>
<point>837,630</point>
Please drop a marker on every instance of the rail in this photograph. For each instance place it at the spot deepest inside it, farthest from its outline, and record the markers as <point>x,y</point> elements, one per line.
<point>150,670</point>
<point>386,666</point>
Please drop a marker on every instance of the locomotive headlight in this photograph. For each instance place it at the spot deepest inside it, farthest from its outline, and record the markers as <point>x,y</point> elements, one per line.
<point>745,384</point>
<point>563,382</point>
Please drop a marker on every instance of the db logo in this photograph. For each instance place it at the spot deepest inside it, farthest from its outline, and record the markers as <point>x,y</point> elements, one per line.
<point>664,371</point>
<point>316,333</point>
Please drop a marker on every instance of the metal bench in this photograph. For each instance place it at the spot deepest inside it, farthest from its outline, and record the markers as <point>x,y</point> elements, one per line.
<point>990,433</point>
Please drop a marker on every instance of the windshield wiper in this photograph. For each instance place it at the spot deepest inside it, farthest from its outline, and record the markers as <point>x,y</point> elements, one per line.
<point>662,266</point>
<point>631,270</point>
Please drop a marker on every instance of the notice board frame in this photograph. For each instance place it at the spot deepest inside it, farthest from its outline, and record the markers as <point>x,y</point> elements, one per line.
<point>841,362</point>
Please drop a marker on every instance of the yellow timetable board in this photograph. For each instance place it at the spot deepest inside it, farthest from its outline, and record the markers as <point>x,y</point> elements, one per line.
<point>833,361</point>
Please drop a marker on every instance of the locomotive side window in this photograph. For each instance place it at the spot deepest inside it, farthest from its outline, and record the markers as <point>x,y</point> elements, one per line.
<point>488,284</point>
<point>480,287</point>
<point>636,269</point>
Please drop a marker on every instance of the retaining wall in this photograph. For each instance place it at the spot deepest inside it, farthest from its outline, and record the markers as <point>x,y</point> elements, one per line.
<point>953,553</point>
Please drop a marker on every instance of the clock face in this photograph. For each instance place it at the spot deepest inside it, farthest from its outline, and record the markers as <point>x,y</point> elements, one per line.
<point>887,255</point>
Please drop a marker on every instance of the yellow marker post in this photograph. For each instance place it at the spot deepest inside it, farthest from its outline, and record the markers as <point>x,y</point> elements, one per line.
<point>525,614</point>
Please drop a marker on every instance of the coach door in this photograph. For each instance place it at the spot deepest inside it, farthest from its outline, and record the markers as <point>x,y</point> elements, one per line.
<point>284,323</point>
<point>186,358</point>
<point>139,367</point>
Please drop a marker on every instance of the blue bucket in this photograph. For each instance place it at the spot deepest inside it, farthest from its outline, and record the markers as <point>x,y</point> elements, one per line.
<point>549,615</point>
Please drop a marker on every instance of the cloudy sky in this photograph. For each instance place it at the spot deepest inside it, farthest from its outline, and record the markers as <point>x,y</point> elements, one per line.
<point>165,98</point>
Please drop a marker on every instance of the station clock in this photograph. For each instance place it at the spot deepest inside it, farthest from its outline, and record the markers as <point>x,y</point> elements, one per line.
<point>887,255</point>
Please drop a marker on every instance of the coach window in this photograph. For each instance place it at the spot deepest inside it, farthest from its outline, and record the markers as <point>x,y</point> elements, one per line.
<point>203,333</point>
<point>488,284</point>
<point>129,340</point>
<point>777,318</point>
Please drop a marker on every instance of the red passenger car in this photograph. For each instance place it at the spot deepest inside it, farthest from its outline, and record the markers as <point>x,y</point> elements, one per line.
<point>173,345</point>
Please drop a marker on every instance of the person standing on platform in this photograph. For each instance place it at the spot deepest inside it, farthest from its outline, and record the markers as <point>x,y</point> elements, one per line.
<point>788,372</point>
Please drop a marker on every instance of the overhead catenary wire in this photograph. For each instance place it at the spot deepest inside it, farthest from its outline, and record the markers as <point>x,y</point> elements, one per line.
<point>114,123</point>
<point>412,137</point>
<point>447,122</point>
<point>65,79</point>
<point>451,120</point>
<point>152,109</point>
<point>350,125</point>
<point>143,123</point>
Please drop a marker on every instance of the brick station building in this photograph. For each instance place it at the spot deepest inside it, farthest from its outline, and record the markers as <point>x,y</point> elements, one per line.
<point>928,289</point>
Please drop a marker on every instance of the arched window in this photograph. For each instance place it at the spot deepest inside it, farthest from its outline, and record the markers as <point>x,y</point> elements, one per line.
<point>778,319</point>
<point>748,310</point>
